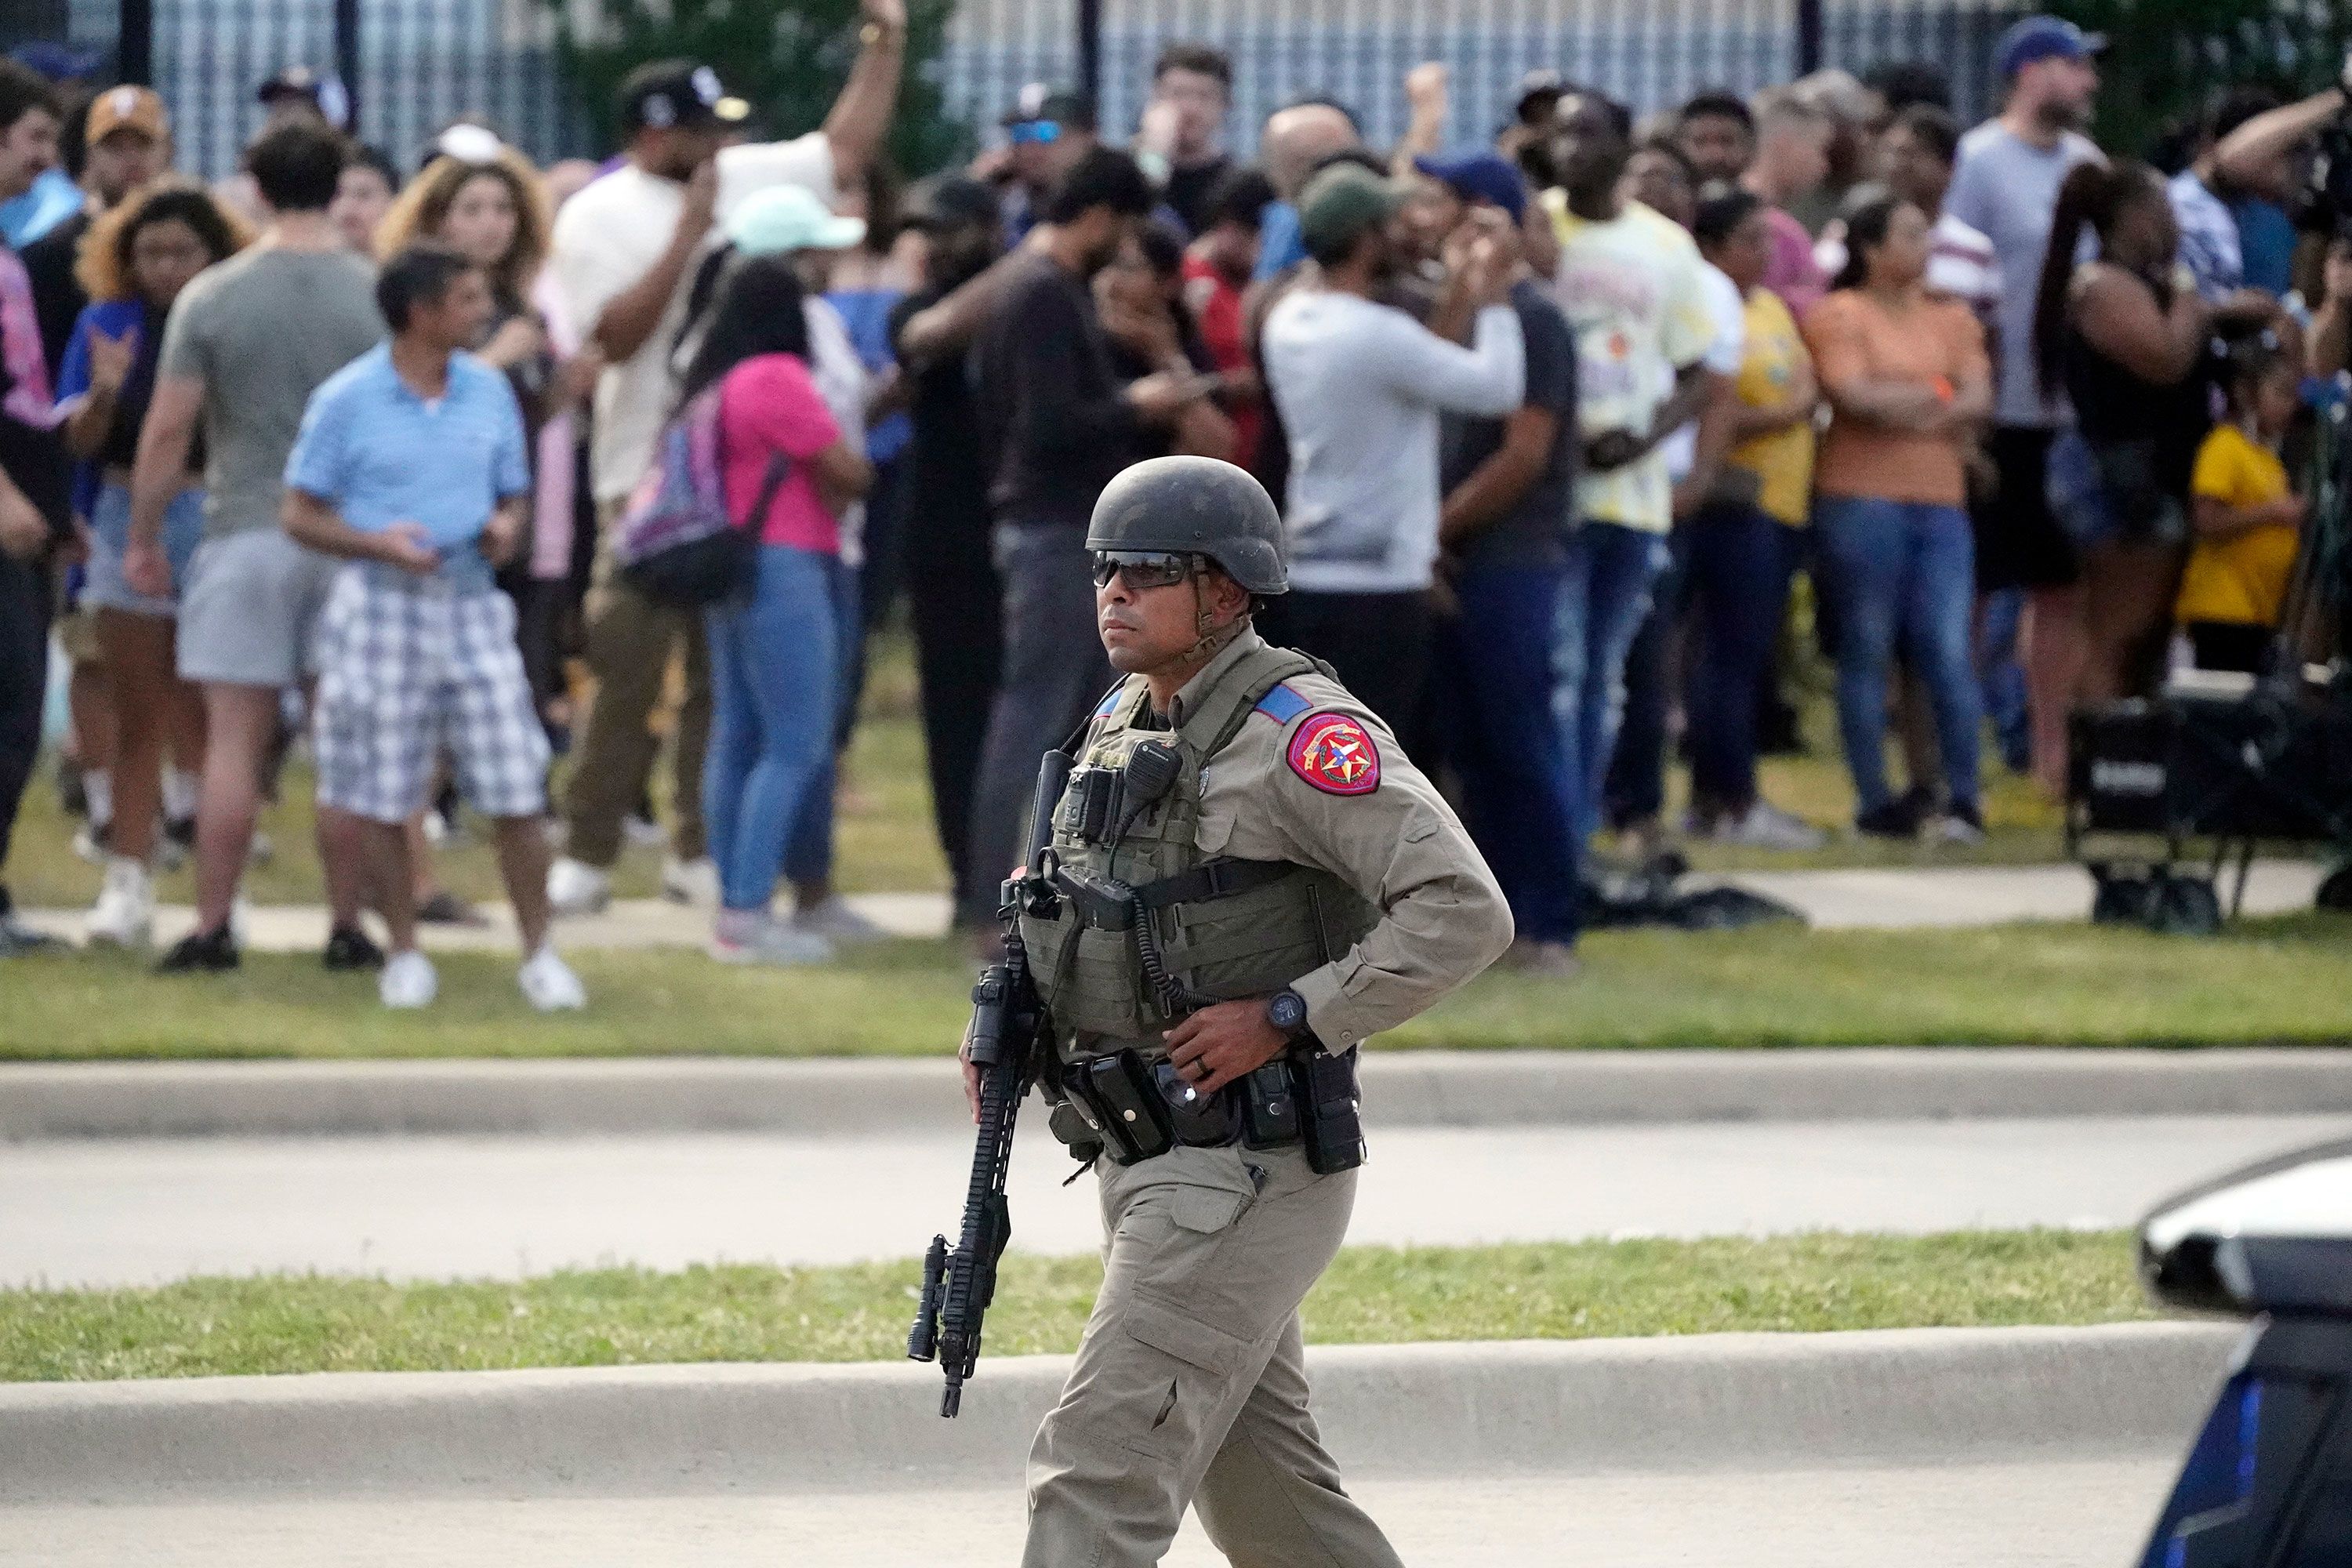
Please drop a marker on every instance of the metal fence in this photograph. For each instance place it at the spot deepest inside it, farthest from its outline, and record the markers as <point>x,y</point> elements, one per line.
<point>423,62</point>
<point>1651,53</point>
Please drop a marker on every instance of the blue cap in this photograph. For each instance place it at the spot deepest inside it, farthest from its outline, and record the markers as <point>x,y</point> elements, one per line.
<point>2035,38</point>
<point>56,62</point>
<point>1476,174</point>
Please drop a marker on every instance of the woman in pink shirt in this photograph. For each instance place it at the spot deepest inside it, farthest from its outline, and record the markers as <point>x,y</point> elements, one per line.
<point>773,650</point>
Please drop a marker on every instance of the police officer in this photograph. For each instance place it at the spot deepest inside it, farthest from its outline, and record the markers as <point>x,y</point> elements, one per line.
<point>1251,880</point>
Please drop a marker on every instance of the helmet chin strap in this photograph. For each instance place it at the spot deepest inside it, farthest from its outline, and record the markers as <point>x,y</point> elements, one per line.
<point>1214,639</point>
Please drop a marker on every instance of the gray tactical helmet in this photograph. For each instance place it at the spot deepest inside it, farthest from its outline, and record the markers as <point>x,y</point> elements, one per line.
<point>1202,507</point>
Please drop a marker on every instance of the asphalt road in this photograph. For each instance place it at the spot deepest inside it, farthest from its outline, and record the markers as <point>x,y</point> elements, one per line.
<point>133,1211</point>
<point>2062,1513</point>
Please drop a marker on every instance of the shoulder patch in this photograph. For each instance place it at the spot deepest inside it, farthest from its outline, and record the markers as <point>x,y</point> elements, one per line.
<point>1282,704</point>
<point>1336,754</point>
<point>1111,700</point>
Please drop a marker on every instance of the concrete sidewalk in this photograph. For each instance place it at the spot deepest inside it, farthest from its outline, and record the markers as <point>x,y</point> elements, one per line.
<point>827,1097</point>
<point>2048,1512</point>
<point>1881,899</point>
<point>1699,1403</point>
<point>136,1212</point>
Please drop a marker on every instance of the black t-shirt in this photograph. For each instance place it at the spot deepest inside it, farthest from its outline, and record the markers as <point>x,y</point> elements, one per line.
<point>57,298</point>
<point>948,463</point>
<point>1133,366</point>
<point>1051,400</point>
<point>1535,532</point>
<point>1189,190</point>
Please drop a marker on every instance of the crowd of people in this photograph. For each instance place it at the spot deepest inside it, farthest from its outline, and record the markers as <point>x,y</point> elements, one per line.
<point>1556,422</point>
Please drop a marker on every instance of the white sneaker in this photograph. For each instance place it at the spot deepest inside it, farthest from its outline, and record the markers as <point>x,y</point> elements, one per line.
<point>548,984</point>
<point>692,882</point>
<point>1764,826</point>
<point>124,915</point>
<point>407,981</point>
<point>835,920</point>
<point>576,888</point>
<point>768,941</point>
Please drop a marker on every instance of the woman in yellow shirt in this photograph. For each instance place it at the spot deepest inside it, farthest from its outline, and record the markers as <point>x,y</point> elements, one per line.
<point>2247,519</point>
<point>1742,543</point>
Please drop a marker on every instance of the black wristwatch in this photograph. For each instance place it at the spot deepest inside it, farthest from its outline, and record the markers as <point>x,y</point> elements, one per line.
<point>1286,1011</point>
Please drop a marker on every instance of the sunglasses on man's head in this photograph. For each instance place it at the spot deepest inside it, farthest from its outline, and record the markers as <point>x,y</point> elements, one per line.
<point>1035,130</point>
<point>1142,568</point>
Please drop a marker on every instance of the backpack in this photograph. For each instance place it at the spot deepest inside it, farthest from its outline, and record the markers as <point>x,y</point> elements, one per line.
<point>676,542</point>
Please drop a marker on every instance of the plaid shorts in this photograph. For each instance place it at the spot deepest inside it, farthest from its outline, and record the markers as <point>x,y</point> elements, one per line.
<point>409,670</point>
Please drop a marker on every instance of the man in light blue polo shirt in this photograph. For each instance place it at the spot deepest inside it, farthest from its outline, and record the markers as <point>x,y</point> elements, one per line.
<point>410,467</point>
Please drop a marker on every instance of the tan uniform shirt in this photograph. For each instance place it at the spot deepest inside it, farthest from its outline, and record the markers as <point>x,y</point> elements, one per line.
<point>1398,844</point>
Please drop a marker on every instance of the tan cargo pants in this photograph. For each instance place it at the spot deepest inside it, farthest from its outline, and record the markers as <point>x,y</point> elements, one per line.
<point>630,639</point>
<point>1191,1387</point>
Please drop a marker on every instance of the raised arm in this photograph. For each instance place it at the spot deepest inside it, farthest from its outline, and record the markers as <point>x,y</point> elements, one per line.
<point>860,119</point>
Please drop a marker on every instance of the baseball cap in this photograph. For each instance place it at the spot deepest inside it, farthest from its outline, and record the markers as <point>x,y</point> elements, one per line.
<point>1478,174</point>
<point>1342,203</point>
<point>2042,38</point>
<point>948,201</point>
<point>676,93</point>
<point>135,108</point>
<point>784,218</point>
<point>1060,105</point>
<point>56,62</point>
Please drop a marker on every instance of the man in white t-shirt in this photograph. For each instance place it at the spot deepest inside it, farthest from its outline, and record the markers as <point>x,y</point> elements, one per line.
<point>1632,285</point>
<point>623,254</point>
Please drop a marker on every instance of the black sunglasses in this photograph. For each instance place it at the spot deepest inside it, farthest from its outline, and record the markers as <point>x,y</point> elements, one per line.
<point>1142,568</point>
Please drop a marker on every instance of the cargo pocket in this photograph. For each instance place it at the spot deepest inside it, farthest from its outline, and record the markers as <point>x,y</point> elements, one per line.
<point>1180,1370</point>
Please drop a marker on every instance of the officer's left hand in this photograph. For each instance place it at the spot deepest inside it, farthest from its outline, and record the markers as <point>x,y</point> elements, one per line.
<point>1224,1042</point>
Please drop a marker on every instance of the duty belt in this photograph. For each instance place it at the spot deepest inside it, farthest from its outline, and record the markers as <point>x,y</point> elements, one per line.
<point>1135,1109</point>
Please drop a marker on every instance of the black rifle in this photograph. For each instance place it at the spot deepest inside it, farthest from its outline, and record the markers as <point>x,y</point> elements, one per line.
<point>1010,1041</point>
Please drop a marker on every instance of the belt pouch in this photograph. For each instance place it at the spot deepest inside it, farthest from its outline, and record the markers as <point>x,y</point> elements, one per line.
<point>1203,1120</point>
<point>1132,1116</point>
<point>1270,1107</point>
<point>1333,1128</point>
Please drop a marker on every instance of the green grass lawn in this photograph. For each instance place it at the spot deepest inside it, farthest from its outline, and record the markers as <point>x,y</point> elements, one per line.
<point>2285,980</point>
<point>887,844</point>
<point>1371,1295</point>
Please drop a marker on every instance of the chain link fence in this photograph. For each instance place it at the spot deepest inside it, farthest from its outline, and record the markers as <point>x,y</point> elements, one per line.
<point>1653,54</point>
<point>423,62</point>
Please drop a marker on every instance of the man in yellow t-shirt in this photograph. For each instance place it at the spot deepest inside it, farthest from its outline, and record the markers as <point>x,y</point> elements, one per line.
<point>2248,521</point>
<point>1629,282</point>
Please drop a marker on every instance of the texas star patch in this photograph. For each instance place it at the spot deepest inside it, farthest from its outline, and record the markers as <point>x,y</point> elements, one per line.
<point>1333,752</point>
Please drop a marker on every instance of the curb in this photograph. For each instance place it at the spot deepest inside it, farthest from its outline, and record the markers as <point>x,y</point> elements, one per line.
<point>1697,1402</point>
<point>879,1097</point>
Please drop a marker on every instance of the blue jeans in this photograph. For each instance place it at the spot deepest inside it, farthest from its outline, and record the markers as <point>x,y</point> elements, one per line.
<point>1901,569</point>
<point>2003,681</point>
<point>1496,656</point>
<point>808,851</point>
<point>1736,575</point>
<point>775,686</point>
<point>1604,594</point>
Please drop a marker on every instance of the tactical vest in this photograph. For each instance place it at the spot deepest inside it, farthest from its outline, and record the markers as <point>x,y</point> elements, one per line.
<point>1225,928</point>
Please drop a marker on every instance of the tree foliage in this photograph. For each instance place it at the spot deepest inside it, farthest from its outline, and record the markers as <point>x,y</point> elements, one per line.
<point>2168,60</point>
<point>786,58</point>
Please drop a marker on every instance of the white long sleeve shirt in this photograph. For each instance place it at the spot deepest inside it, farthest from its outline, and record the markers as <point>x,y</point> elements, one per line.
<point>1359,387</point>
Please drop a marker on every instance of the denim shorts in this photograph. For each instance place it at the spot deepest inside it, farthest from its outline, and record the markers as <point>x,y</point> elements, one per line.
<point>2079,494</point>
<point>103,586</point>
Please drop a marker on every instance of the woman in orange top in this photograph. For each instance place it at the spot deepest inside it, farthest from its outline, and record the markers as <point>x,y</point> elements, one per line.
<point>1908,383</point>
